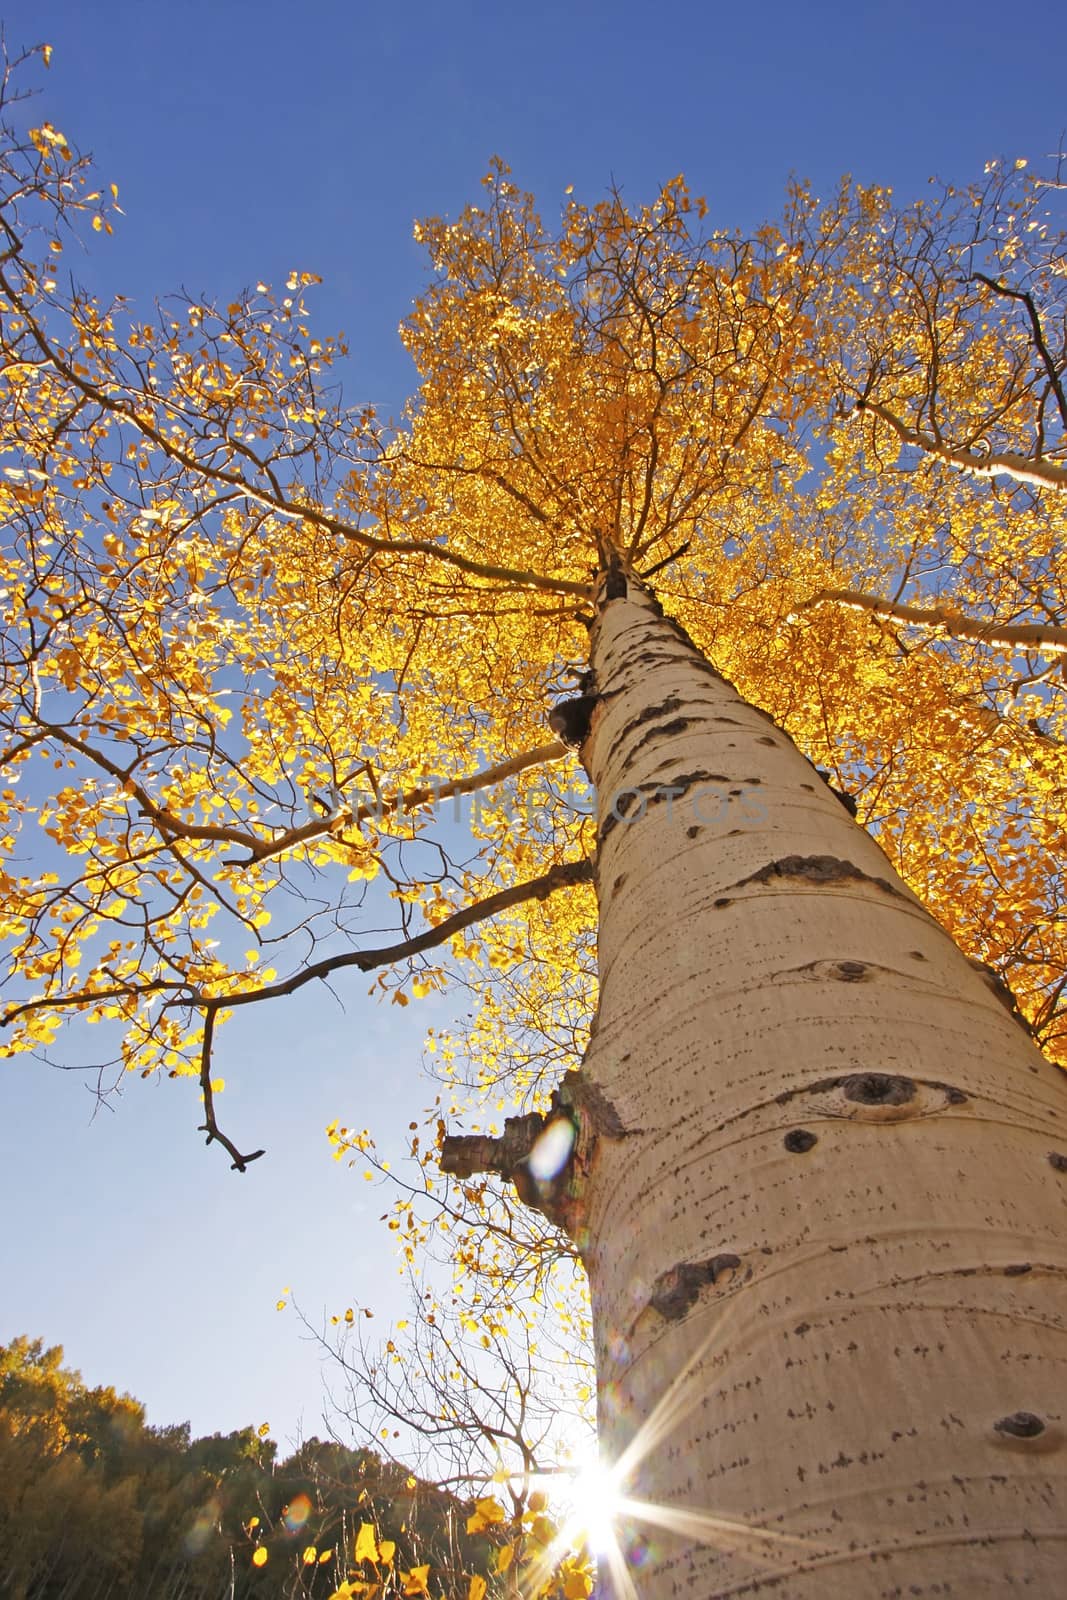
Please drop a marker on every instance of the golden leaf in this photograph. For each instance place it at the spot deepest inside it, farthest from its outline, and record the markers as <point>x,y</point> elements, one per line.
<point>486,1514</point>
<point>366,1547</point>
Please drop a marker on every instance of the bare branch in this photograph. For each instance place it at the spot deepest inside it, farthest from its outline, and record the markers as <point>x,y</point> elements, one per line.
<point>209,1124</point>
<point>1054,373</point>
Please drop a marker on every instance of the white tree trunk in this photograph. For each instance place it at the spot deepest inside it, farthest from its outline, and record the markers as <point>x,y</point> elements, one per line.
<point>821,1175</point>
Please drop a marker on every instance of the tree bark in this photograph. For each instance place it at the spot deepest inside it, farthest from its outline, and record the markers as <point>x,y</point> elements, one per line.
<point>819,1182</point>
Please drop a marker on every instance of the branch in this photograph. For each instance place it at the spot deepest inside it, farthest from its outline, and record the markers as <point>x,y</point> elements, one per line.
<point>563,876</point>
<point>172,827</point>
<point>1039,337</point>
<point>95,997</point>
<point>674,556</point>
<point>1023,469</point>
<point>274,500</point>
<point>559,877</point>
<point>409,801</point>
<point>209,1124</point>
<point>1045,636</point>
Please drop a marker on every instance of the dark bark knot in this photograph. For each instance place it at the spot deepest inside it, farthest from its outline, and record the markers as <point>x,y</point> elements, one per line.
<point>839,794</point>
<point>678,1288</point>
<point>1056,1161</point>
<point>1020,1425</point>
<point>1000,989</point>
<point>798,1141</point>
<point>818,870</point>
<point>570,720</point>
<point>878,1089</point>
<point>877,1096</point>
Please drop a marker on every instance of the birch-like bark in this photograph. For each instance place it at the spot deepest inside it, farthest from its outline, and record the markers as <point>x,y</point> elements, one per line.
<point>1047,637</point>
<point>819,1186</point>
<point>1035,470</point>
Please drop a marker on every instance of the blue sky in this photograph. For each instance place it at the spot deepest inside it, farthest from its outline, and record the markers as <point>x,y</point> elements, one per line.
<point>248,139</point>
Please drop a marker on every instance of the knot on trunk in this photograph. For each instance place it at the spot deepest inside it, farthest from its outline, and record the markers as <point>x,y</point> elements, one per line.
<point>535,1152</point>
<point>569,720</point>
<point>545,1155</point>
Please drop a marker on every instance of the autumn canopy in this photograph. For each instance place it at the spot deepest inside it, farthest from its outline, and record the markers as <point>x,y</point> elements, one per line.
<point>235,609</point>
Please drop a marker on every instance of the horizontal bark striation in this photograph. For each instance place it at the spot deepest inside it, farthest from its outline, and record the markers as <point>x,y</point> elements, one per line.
<point>827,1259</point>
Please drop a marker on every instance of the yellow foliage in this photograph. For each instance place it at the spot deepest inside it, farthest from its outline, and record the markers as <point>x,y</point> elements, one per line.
<point>366,1546</point>
<point>221,681</point>
<point>486,1514</point>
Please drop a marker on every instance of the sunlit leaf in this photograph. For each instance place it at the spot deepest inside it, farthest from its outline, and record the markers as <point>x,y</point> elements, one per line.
<point>486,1514</point>
<point>366,1547</point>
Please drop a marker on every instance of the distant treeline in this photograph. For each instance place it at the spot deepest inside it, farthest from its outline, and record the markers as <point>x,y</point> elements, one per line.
<point>96,1505</point>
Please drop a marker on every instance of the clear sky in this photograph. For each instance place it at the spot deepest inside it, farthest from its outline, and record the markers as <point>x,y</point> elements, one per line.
<point>250,138</point>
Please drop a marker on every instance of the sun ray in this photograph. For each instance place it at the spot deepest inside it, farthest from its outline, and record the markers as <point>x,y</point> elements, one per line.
<point>726,1532</point>
<point>602,1505</point>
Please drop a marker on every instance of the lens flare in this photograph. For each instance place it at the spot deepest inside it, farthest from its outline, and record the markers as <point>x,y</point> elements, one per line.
<point>202,1527</point>
<point>552,1150</point>
<point>296,1513</point>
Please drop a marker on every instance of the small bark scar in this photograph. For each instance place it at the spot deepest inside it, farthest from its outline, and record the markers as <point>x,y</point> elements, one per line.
<point>677,1289</point>
<point>641,797</point>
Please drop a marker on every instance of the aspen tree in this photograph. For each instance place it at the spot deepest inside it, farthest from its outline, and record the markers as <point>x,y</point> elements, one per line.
<point>250,633</point>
